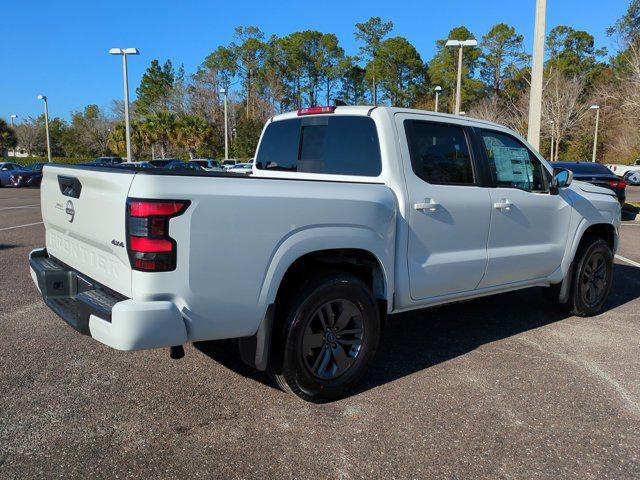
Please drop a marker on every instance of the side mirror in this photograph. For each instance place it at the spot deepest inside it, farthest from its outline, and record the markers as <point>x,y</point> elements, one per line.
<point>562,178</point>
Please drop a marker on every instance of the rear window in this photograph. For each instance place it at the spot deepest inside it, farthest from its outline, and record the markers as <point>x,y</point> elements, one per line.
<point>337,145</point>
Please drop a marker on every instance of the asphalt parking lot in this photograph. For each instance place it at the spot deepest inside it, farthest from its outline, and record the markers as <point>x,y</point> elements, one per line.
<point>504,387</point>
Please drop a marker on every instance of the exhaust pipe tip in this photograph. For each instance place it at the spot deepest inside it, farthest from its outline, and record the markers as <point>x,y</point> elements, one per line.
<point>176,352</point>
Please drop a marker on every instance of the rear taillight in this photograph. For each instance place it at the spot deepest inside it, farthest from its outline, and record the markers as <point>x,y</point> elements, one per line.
<point>315,110</point>
<point>150,247</point>
<point>618,184</point>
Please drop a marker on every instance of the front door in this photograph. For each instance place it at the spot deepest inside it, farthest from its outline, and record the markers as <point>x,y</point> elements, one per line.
<point>529,225</point>
<point>449,212</point>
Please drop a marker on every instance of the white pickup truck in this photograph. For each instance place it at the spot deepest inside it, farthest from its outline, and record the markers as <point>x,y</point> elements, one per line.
<point>351,214</point>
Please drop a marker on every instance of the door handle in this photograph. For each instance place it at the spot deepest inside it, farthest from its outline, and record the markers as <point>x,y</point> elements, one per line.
<point>69,186</point>
<point>503,204</point>
<point>427,206</point>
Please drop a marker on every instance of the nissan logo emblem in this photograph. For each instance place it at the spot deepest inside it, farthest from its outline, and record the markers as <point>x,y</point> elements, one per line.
<point>70,211</point>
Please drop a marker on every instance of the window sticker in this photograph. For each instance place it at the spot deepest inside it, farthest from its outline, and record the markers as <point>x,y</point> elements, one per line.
<point>512,164</point>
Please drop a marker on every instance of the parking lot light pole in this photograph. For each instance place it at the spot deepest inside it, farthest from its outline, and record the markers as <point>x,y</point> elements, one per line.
<point>12,117</point>
<point>46,123</point>
<point>595,135</point>
<point>553,138</point>
<point>223,91</point>
<point>124,52</point>
<point>438,89</point>
<point>460,44</point>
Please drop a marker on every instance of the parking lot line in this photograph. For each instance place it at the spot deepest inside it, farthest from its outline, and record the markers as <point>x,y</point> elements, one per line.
<point>626,260</point>
<point>20,226</point>
<point>21,206</point>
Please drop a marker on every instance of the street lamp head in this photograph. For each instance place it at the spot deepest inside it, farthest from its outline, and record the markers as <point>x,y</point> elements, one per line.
<point>42,97</point>
<point>124,51</point>
<point>223,91</point>
<point>438,89</point>
<point>594,107</point>
<point>461,43</point>
<point>13,115</point>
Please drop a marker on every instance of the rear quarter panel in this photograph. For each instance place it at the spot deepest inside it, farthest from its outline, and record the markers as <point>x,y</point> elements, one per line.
<point>239,236</point>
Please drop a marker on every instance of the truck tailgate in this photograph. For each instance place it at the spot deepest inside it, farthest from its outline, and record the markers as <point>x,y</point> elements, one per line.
<point>84,213</point>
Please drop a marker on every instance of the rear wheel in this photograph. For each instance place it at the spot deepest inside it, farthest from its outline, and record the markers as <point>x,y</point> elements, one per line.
<point>330,334</point>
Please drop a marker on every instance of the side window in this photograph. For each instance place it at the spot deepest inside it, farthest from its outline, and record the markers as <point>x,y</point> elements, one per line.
<point>338,145</point>
<point>439,153</point>
<point>512,164</point>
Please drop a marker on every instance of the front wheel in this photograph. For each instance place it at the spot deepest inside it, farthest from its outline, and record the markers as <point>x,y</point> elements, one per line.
<point>592,278</point>
<point>330,334</point>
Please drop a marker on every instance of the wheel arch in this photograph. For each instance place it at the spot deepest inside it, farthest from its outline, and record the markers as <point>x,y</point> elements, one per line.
<point>348,247</point>
<point>358,250</point>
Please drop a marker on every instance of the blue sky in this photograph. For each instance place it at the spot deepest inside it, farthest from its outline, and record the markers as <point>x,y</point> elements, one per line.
<point>59,48</point>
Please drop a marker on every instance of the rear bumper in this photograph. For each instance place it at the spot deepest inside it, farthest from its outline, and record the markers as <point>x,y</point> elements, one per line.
<point>108,317</point>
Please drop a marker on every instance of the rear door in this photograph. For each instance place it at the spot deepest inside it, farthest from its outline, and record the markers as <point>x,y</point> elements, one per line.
<point>449,208</point>
<point>84,213</point>
<point>529,225</point>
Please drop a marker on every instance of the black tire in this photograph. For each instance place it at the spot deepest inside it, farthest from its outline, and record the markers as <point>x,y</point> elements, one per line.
<point>592,277</point>
<point>330,332</point>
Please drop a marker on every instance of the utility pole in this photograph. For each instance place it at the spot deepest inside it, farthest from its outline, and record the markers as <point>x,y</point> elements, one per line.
<point>124,52</point>
<point>223,91</point>
<point>438,89</point>
<point>553,139</point>
<point>595,135</point>
<point>535,100</point>
<point>460,44</point>
<point>46,124</point>
<point>12,116</point>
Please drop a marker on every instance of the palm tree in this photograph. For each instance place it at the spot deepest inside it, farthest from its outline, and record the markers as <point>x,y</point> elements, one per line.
<point>159,129</point>
<point>117,141</point>
<point>191,133</point>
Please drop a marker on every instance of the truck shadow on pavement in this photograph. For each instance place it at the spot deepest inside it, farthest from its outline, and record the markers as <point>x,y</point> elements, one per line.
<point>421,339</point>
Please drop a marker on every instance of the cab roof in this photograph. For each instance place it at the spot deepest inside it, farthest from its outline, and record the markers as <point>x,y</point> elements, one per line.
<point>369,109</point>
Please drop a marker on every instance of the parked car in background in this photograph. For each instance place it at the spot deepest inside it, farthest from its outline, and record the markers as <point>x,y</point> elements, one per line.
<point>29,176</point>
<point>227,164</point>
<point>163,162</point>
<point>596,174</point>
<point>352,213</point>
<point>633,178</point>
<point>6,170</point>
<point>209,164</point>
<point>186,166</point>
<point>244,168</point>
<point>629,173</point>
